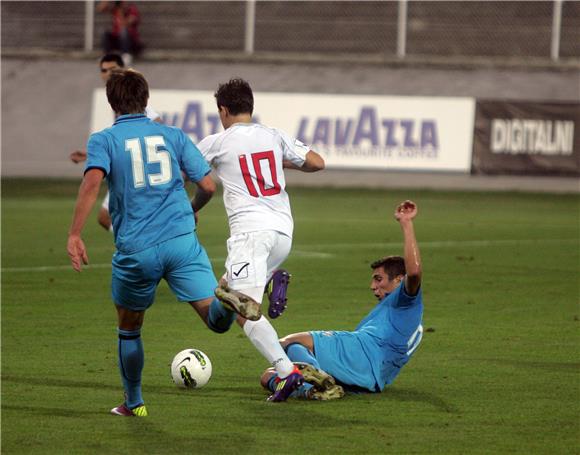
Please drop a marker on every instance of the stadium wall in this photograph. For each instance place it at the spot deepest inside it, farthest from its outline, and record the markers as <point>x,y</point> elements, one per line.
<point>46,107</point>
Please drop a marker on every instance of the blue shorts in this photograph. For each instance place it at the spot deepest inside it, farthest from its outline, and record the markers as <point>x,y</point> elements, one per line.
<point>341,355</point>
<point>181,261</point>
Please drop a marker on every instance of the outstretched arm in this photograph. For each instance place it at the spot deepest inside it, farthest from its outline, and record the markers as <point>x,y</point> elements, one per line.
<point>405,213</point>
<point>313,163</point>
<point>88,193</point>
<point>78,156</point>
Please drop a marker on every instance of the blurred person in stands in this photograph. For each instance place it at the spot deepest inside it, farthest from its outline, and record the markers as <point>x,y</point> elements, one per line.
<point>108,64</point>
<point>124,34</point>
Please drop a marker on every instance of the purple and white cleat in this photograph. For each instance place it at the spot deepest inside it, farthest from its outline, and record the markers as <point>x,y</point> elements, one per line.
<point>287,385</point>
<point>276,290</point>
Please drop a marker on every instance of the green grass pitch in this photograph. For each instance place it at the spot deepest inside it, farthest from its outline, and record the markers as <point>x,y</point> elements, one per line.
<point>497,371</point>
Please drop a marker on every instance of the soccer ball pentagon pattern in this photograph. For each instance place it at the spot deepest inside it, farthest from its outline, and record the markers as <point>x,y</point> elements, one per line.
<point>191,369</point>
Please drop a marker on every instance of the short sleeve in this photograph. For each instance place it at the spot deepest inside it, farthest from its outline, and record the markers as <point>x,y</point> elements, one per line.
<point>192,161</point>
<point>406,311</point>
<point>98,153</point>
<point>400,298</point>
<point>293,150</point>
<point>208,151</point>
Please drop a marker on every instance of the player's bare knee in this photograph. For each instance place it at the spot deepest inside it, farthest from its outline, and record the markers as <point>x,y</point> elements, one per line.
<point>300,338</point>
<point>290,339</point>
<point>284,341</point>
<point>266,376</point>
<point>129,319</point>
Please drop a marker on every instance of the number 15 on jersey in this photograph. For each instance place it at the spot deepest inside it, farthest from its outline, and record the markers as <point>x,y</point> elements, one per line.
<point>156,153</point>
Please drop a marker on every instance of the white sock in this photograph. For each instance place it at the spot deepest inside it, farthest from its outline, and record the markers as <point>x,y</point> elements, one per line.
<point>264,337</point>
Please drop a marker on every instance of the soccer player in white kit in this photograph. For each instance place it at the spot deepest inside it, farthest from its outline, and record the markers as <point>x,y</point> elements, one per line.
<point>249,159</point>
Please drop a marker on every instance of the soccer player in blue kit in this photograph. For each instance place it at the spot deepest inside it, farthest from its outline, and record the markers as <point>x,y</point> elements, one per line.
<point>153,222</point>
<point>371,356</point>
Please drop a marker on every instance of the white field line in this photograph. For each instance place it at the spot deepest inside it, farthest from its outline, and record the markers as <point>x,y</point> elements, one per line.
<point>215,260</point>
<point>311,254</point>
<point>50,268</point>
<point>337,246</point>
<point>439,244</point>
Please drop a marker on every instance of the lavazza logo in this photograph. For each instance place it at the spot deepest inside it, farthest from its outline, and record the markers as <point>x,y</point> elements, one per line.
<point>366,136</point>
<point>532,137</point>
<point>369,135</point>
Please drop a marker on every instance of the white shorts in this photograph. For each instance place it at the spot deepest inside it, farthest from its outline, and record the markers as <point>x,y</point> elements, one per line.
<point>105,203</point>
<point>252,259</point>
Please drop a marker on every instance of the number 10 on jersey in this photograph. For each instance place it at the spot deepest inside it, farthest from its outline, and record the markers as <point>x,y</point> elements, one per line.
<point>249,177</point>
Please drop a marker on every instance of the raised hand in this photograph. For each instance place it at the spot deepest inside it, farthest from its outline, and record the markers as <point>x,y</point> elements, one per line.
<point>406,211</point>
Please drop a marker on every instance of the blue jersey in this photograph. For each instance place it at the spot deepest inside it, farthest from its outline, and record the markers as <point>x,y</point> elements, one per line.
<point>390,333</point>
<point>142,161</point>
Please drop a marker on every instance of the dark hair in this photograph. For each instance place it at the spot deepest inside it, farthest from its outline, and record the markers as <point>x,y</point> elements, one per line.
<point>127,92</point>
<point>393,266</point>
<point>236,95</point>
<point>112,58</point>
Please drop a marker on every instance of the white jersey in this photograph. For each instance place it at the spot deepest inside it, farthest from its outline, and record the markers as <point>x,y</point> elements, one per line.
<point>150,113</point>
<point>247,158</point>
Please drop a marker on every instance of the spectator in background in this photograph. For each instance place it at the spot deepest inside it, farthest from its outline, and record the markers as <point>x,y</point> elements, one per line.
<point>124,34</point>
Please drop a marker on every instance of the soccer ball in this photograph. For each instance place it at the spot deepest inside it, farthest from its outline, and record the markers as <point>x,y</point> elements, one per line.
<point>191,369</point>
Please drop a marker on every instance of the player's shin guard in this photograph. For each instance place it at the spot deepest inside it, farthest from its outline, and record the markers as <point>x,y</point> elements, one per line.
<point>265,339</point>
<point>300,353</point>
<point>131,360</point>
<point>220,319</point>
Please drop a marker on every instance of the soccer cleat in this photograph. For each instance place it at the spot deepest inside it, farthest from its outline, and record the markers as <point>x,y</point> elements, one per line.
<point>123,410</point>
<point>276,290</point>
<point>287,385</point>
<point>330,393</point>
<point>240,303</point>
<point>320,379</point>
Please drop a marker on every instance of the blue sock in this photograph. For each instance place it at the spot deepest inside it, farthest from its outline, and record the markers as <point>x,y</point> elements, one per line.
<point>300,353</point>
<point>272,383</point>
<point>219,318</point>
<point>300,392</point>
<point>131,360</point>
